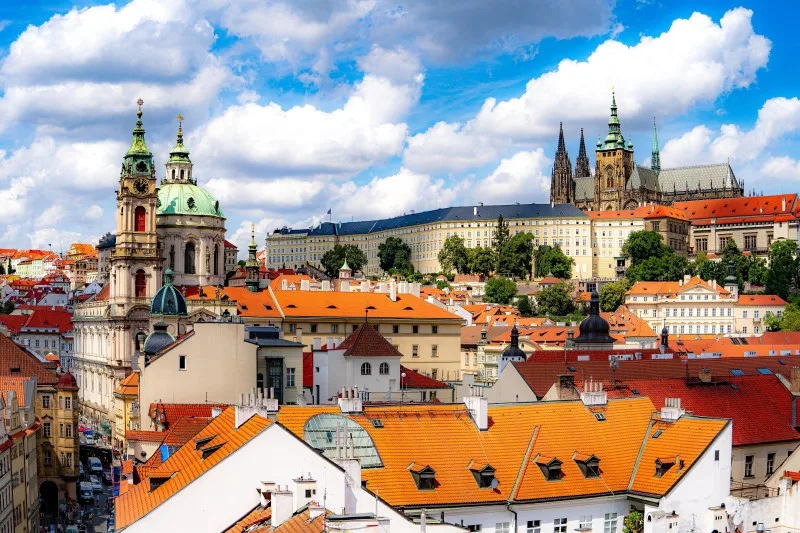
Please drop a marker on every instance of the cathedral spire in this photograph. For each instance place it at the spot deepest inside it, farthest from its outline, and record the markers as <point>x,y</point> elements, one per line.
<point>562,186</point>
<point>138,144</point>
<point>179,154</point>
<point>138,159</point>
<point>582,163</point>
<point>655,159</point>
<point>562,146</point>
<point>252,266</point>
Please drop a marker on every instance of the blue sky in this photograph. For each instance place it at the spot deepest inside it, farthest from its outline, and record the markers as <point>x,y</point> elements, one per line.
<point>375,108</point>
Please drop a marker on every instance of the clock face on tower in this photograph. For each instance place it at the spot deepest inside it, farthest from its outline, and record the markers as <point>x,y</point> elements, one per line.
<point>141,186</point>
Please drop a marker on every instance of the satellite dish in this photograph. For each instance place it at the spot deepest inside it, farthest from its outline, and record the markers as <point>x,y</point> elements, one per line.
<point>494,484</point>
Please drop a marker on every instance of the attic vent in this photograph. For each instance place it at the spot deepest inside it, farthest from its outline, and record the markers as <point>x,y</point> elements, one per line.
<point>550,467</point>
<point>291,306</point>
<point>206,452</point>
<point>14,370</point>
<point>268,307</point>
<point>156,481</point>
<point>329,307</point>
<point>663,464</point>
<point>424,477</point>
<point>199,443</point>
<point>408,308</point>
<point>371,307</point>
<point>600,417</point>
<point>244,307</point>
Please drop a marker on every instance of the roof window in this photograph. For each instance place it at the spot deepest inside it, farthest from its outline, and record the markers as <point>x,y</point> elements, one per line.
<point>424,476</point>
<point>550,467</point>
<point>764,371</point>
<point>484,476</point>
<point>199,443</point>
<point>156,480</point>
<point>663,464</point>
<point>588,464</point>
<point>408,308</point>
<point>600,417</point>
<point>658,433</point>
<point>206,452</point>
<point>737,372</point>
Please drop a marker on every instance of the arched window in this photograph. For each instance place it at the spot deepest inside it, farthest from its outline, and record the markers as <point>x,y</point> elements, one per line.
<point>141,284</point>
<point>366,369</point>
<point>173,173</point>
<point>384,369</point>
<point>181,173</point>
<point>140,215</point>
<point>216,259</point>
<point>172,256</point>
<point>188,259</point>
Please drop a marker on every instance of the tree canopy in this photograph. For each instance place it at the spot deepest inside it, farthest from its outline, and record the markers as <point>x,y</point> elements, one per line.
<point>454,255</point>
<point>481,260</point>
<point>643,245</point>
<point>652,260</point>
<point>500,290</point>
<point>516,256</point>
<point>782,270</point>
<point>612,295</point>
<point>551,260</point>
<point>395,255</point>
<point>499,240</point>
<point>334,258</point>
<point>524,306</point>
<point>555,300</point>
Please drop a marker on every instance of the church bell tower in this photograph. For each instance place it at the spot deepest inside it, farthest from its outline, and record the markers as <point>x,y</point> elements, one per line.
<point>136,261</point>
<point>614,165</point>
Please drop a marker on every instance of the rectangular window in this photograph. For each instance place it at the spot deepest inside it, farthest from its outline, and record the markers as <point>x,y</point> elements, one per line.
<point>502,527</point>
<point>69,430</point>
<point>46,401</point>
<point>610,523</point>
<point>534,526</point>
<point>744,314</point>
<point>395,329</point>
<point>67,402</point>
<point>755,314</point>
<point>748,466</point>
<point>414,350</point>
<point>560,525</point>
<point>749,242</point>
<point>313,328</point>
<point>61,430</point>
<point>770,463</point>
<point>585,523</point>
<point>435,330</point>
<point>48,458</point>
<point>334,328</point>
<point>181,362</point>
<point>46,426</point>
<point>290,377</point>
<point>69,458</point>
<point>434,351</point>
<point>414,329</point>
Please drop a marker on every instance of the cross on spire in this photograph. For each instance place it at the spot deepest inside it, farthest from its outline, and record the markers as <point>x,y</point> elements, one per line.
<point>139,102</point>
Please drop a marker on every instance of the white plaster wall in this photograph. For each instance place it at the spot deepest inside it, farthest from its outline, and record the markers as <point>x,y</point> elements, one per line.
<point>510,387</point>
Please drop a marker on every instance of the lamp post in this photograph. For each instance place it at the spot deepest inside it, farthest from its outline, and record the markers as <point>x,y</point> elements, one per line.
<point>402,389</point>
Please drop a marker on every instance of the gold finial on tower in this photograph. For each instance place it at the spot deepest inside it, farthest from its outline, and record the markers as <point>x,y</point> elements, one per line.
<point>139,102</point>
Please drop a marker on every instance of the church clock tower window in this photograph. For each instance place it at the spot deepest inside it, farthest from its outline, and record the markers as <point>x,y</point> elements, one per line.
<point>141,284</point>
<point>141,219</point>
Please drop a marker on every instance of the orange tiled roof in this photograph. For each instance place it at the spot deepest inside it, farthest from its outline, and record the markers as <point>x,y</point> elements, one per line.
<point>185,429</point>
<point>670,288</point>
<point>250,304</point>
<point>129,385</point>
<point>17,384</point>
<point>291,280</point>
<point>749,208</point>
<point>353,304</point>
<point>517,435</point>
<point>187,464</point>
<point>17,362</point>
<point>146,436</point>
<point>169,413</point>
<point>365,341</point>
<point>760,299</point>
<point>643,211</point>
<point>257,521</point>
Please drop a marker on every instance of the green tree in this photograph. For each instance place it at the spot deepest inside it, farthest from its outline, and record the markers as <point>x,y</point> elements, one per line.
<point>551,260</point>
<point>454,255</point>
<point>782,268</point>
<point>394,253</point>
<point>612,295</point>
<point>633,523</point>
<point>757,270</point>
<point>241,262</point>
<point>524,306</point>
<point>500,290</point>
<point>481,260</point>
<point>8,307</point>
<point>334,258</point>
<point>666,267</point>
<point>499,240</point>
<point>2,270</point>
<point>556,300</point>
<point>772,321</point>
<point>642,245</point>
<point>791,318</point>
<point>516,255</point>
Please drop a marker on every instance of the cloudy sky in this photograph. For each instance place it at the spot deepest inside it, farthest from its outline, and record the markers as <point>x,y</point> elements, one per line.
<point>374,108</point>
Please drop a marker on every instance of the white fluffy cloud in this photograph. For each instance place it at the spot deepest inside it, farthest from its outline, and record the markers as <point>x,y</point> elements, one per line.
<point>267,140</point>
<point>776,118</point>
<point>781,168</point>
<point>523,177</point>
<point>695,61</point>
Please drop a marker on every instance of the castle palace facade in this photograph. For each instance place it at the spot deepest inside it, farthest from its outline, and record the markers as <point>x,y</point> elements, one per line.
<point>619,183</point>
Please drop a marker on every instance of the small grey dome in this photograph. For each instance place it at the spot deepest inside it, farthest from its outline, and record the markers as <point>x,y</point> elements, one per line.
<point>158,339</point>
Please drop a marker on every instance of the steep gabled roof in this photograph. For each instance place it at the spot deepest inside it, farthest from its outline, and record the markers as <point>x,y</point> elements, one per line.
<point>17,362</point>
<point>365,341</point>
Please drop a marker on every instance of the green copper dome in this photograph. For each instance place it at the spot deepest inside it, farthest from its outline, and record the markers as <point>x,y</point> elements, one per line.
<point>186,199</point>
<point>168,301</point>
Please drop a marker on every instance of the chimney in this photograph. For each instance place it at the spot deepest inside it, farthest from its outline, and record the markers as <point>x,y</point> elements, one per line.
<point>478,407</point>
<point>350,401</point>
<point>393,291</point>
<point>298,333</point>
<point>266,488</point>
<point>402,287</point>
<point>680,283</point>
<point>415,289</point>
<point>215,412</point>
<point>284,284</point>
<point>305,285</point>
<point>305,490</point>
<point>686,278</point>
<point>282,504</point>
<point>783,204</point>
<point>315,510</point>
<point>672,410</point>
<point>475,210</point>
<point>705,375</point>
<point>593,394</point>
<point>794,381</point>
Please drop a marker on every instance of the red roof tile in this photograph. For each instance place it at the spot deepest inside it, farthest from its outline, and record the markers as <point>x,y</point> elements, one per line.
<point>169,413</point>
<point>415,380</point>
<point>15,361</point>
<point>365,341</point>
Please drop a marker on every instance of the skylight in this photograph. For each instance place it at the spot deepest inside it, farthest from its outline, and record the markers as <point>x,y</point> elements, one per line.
<point>764,371</point>
<point>320,433</point>
<point>737,372</point>
<point>658,433</point>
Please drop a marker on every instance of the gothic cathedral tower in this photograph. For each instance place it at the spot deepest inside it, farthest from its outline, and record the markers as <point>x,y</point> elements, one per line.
<point>614,165</point>
<point>136,261</point>
<point>562,186</point>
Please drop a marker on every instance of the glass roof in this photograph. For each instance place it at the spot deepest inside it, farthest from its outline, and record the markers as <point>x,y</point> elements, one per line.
<point>320,433</point>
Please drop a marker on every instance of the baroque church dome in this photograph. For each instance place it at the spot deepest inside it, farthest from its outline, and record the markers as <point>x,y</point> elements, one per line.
<point>186,199</point>
<point>168,300</point>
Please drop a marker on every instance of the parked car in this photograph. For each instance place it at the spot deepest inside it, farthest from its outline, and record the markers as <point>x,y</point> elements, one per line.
<point>86,492</point>
<point>95,466</point>
<point>107,477</point>
<point>96,485</point>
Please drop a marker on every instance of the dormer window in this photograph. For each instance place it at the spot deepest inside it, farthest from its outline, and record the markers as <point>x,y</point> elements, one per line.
<point>424,476</point>
<point>663,464</point>
<point>589,465</point>
<point>156,480</point>
<point>206,452</point>
<point>484,476</point>
<point>550,467</point>
<point>199,443</point>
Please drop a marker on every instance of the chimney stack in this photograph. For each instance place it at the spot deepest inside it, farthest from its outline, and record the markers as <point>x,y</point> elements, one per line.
<point>593,394</point>
<point>705,375</point>
<point>393,291</point>
<point>298,333</point>
<point>478,407</point>
<point>282,504</point>
<point>794,381</point>
<point>350,401</point>
<point>672,410</point>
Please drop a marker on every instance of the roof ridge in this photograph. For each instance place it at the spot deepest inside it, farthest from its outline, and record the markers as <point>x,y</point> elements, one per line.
<point>524,466</point>
<point>646,438</point>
